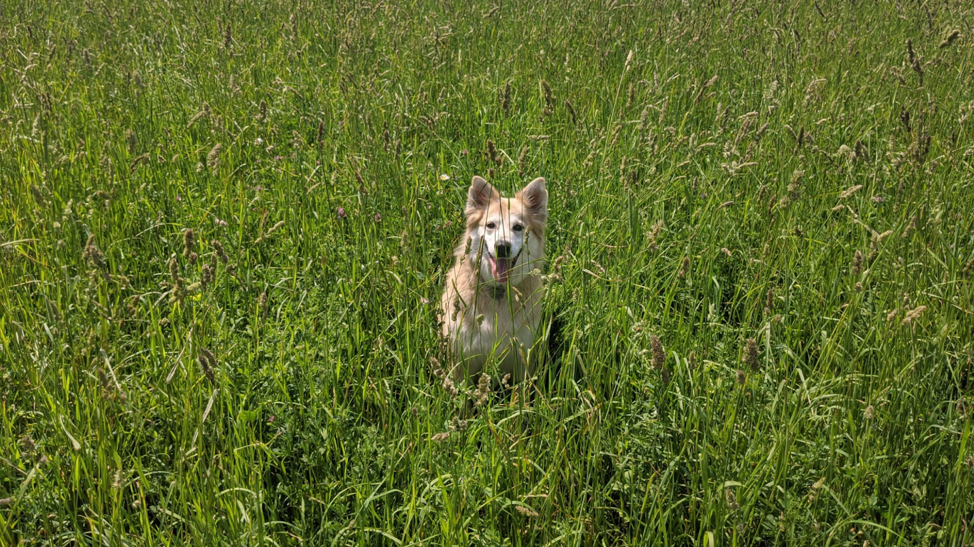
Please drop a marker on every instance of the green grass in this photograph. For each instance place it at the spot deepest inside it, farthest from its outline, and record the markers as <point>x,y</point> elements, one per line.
<point>742,128</point>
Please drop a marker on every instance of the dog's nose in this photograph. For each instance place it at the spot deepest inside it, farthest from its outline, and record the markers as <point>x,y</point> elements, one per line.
<point>503,249</point>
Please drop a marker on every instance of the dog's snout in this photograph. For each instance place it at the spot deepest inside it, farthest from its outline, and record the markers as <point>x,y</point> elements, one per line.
<point>503,249</point>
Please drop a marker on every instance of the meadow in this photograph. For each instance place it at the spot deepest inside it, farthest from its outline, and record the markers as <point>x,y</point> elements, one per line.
<point>224,228</point>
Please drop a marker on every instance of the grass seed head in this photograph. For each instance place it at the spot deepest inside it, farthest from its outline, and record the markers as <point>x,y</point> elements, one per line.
<point>522,160</point>
<point>219,251</point>
<point>653,236</point>
<point>449,387</point>
<point>741,377</point>
<point>93,255</point>
<point>571,111</point>
<point>684,267</point>
<point>492,155</point>
<point>526,511</point>
<point>106,384</point>
<point>857,263</point>
<point>731,499</point>
<point>131,141</point>
<point>549,98</point>
<point>206,277</point>
<point>915,313</point>
<point>38,195</point>
<point>213,157</point>
<point>506,100</point>
<point>659,354</point>
<point>968,268</point>
<point>949,38</point>
<point>207,363</point>
<point>189,241</point>
<point>483,390</point>
<point>751,354</point>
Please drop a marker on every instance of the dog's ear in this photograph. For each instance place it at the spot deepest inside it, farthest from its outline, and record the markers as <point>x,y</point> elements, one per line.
<point>480,195</point>
<point>535,199</point>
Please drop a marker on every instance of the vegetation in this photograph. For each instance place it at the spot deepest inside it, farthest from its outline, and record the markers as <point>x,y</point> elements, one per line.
<point>224,228</point>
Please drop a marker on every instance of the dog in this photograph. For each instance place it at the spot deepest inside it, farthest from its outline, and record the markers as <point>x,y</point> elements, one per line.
<point>492,294</point>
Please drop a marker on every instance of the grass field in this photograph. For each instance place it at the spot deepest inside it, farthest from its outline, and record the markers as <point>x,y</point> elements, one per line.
<point>224,229</point>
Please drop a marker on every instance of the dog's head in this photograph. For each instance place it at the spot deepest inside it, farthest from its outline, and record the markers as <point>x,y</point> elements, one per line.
<point>507,234</point>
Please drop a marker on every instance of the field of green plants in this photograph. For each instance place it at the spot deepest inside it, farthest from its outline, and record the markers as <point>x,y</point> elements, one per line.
<point>224,228</point>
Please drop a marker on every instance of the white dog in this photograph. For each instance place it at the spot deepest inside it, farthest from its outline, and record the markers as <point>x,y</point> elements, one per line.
<point>491,301</point>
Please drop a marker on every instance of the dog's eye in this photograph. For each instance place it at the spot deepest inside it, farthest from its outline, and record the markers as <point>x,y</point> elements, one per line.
<point>491,225</point>
<point>518,228</point>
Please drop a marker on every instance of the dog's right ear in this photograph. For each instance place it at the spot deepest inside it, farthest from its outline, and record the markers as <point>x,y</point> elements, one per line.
<point>480,195</point>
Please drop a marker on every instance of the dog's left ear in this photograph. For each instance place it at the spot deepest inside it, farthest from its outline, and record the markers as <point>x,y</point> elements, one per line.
<point>534,196</point>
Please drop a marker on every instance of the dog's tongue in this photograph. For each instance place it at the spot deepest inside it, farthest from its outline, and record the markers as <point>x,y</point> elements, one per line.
<point>502,267</point>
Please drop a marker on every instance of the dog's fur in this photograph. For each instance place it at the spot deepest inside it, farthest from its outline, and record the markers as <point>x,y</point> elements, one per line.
<point>492,304</point>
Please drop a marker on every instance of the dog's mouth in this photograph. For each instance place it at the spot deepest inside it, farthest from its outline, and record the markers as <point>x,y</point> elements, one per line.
<point>501,267</point>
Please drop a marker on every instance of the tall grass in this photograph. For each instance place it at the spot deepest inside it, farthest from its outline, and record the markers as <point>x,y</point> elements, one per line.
<point>761,244</point>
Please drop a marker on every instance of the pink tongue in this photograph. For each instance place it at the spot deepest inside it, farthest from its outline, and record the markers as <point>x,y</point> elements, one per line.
<point>501,266</point>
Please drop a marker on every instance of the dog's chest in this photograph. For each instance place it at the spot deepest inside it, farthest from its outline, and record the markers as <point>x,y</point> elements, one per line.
<point>499,327</point>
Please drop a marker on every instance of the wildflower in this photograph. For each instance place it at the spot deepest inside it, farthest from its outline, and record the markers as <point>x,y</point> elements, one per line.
<point>378,217</point>
<point>341,212</point>
<point>444,177</point>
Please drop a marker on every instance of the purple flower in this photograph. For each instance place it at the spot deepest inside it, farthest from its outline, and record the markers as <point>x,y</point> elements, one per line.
<point>378,217</point>
<point>179,198</point>
<point>341,212</point>
<point>278,158</point>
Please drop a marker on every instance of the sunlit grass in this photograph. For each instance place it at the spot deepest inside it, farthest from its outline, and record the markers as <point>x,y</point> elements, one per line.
<point>224,228</point>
